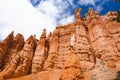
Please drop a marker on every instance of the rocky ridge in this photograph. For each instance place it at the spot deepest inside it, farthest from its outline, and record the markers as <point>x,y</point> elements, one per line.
<point>87,49</point>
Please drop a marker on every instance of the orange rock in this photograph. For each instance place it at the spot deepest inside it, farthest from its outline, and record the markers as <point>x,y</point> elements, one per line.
<point>102,42</point>
<point>111,64</point>
<point>20,64</point>
<point>72,69</point>
<point>52,53</point>
<point>15,46</point>
<point>94,41</point>
<point>4,46</point>
<point>40,54</point>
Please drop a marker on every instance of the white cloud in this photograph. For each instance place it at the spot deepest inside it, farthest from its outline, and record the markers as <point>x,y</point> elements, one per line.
<point>87,2</point>
<point>56,9</point>
<point>99,8</point>
<point>48,8</point>
<point>20,16</point>
<point>67,20</point>
<point>71,3</point>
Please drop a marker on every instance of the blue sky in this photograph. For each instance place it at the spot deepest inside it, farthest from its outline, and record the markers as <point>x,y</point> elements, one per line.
<point>102,6</point>
<point>32,16</point>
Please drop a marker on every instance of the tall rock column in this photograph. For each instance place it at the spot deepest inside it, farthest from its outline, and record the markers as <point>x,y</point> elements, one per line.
<point>4,46</point>
<point>20,64</point>
<point>25,57</point>
<point>15,46</point>
<point>102,43</point>
<point>77,16</point>
<point>63,46</point>
<point>40,54</point>
<point>53,51</point>
<point>82,45</point>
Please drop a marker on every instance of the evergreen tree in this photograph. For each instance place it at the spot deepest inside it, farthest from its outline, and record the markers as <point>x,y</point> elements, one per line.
<point>117,0</point>
<point>118,17</point>
<point>118,76</point>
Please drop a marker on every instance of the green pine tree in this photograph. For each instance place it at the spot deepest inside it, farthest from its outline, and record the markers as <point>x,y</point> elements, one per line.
<point>118,17</point>
<point>117,0</point>
<point>118,76</point>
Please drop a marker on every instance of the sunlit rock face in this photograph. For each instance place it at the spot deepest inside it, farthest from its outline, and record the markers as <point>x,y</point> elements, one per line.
<point>87,49</point>
<point>40,54</point>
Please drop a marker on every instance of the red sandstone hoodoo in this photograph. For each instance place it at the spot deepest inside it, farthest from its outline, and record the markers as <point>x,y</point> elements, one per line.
<point>87,49</point>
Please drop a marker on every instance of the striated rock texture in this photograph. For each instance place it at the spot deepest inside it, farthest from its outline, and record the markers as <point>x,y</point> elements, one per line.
<point>72,69</point>
<point>4,47</point>
<point>101,40</point>
<point>20,64</point>
<point>87,49</point>
<point>14,47</point>
<point>40,54</point>
<point>82,46</point>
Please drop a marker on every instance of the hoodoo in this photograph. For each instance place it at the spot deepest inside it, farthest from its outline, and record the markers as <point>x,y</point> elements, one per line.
<point>87,49</point>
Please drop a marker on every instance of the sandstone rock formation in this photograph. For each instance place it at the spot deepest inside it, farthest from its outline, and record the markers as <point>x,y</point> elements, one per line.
<point>4,47</point>
<point>20,64</point>
<point>40,54</point>
<point>82,46</point>
<point>14,47</point>
<point>53,51</point>
<point>87,49</point>
<point>100,38</point>
<point>72,69</point>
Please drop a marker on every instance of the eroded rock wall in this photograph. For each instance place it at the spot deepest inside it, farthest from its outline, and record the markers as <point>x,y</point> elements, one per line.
<point>102,41</point>
<point>86,49</point>
<point>40,54</point>
<point>4,47</point>
<point>14,47</point>
<point>20,64</point>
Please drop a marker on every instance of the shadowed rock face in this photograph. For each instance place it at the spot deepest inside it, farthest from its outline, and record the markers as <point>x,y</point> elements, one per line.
<point>14,47</point>
<point>87,49</point>
<point>20,64</point>
<point>4,47</point>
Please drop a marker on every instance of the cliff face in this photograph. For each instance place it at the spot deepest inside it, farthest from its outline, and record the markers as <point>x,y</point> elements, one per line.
<point>88,49</point>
